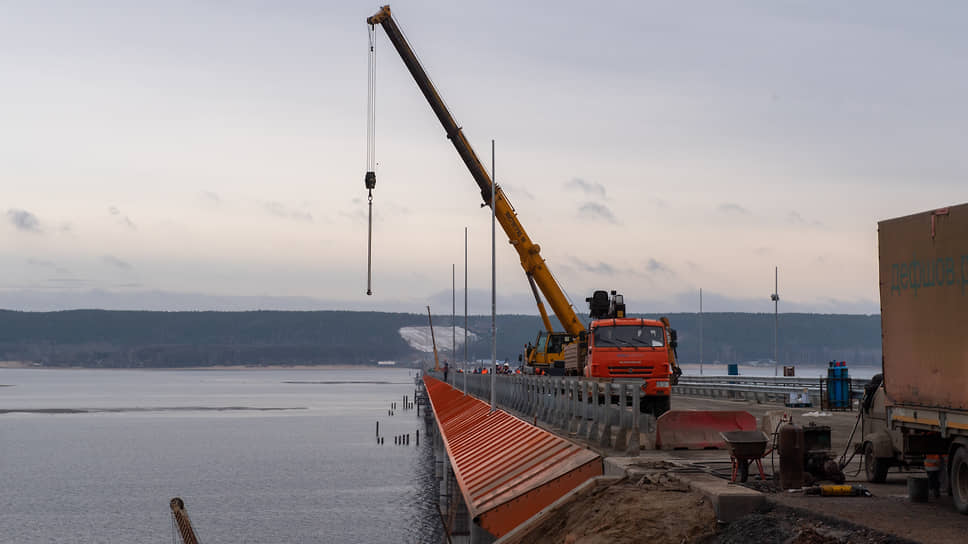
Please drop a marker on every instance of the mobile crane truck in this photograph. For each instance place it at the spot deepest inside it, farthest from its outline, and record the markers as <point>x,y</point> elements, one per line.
<point>610,352</point>
<point>922,406</point>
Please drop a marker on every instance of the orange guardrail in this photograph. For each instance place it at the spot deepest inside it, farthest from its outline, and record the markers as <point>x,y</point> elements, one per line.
<point>507,469</point>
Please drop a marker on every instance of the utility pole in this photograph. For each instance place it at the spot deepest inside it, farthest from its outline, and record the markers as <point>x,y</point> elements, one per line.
<point>493,285</point>
<point>700,331</point>
<point>775,297</point>
<point>465,311</point>
<point>453,314</point>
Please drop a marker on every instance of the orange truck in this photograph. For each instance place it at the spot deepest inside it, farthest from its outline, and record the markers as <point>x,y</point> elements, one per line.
<point>618,348</point>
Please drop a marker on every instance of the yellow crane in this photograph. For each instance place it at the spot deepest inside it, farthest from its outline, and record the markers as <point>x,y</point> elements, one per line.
<point>539,277</point>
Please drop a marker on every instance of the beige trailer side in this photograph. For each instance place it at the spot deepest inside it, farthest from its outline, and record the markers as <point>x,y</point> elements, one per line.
<point>924,308</point>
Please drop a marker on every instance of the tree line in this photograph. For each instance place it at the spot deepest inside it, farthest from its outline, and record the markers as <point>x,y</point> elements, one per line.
<point>127,339</point>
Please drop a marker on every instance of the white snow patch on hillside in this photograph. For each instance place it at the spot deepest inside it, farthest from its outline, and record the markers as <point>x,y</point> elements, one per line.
<point>419,338</point>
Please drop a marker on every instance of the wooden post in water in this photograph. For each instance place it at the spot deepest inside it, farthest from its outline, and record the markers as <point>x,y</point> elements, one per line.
<point>181,519</point>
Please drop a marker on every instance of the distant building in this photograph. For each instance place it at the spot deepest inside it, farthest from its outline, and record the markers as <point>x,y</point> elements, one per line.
<point>386,363</point>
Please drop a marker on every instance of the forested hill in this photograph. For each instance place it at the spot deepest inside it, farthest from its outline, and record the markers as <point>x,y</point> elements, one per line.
<point>100,338</point>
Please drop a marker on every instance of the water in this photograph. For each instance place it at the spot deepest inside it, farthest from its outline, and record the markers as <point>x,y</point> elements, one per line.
<point>289,462</point>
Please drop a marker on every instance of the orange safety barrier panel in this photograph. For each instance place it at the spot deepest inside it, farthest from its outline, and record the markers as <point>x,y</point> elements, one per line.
<point>508,470</point>
<point>699,429</point>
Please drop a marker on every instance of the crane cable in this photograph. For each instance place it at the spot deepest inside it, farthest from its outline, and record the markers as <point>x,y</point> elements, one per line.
<point>369,179</point>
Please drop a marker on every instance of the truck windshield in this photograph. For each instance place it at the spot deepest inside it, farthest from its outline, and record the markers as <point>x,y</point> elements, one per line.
<point>629,335</point>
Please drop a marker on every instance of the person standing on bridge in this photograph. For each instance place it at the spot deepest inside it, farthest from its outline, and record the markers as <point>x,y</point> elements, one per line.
<point>446,369</point>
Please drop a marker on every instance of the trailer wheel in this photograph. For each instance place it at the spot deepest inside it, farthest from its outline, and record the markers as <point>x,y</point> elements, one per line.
<point>959,480</point>
<point>875,467</point>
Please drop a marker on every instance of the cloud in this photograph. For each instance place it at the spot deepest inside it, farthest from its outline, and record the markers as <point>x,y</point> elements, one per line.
<point>122,219</point>
<point>279,209</point>
<point>48,264</point>
<point>23,220</point>
<point>517,191</point>
<point>589,188</point>
<point>211,198</point>
<point>597,212</point>
<point>763,251</point>
<point>116,262</point>
<point>797,219</point>
<point>729,207</point>
<point>598,268</point>
<point>655,266</point>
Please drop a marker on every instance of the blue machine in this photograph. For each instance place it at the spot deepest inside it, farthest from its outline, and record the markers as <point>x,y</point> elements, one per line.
<point>732,369</point>
<point>838,386</point>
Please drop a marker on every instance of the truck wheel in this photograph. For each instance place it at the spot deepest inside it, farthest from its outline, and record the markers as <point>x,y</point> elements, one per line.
<point>959,480</point>
<point>875,467</point>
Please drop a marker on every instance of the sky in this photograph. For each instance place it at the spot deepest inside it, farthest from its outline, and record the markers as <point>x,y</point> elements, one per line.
<point>210,155</point>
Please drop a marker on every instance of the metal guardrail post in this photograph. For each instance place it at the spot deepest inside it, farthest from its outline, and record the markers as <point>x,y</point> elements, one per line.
<point>583,400</point>
<point>632,449</point>
<point>559,417</point>
<point>572,399</point>
<point>593,431</point>
<point>605,440</point>
<point>622,434</point>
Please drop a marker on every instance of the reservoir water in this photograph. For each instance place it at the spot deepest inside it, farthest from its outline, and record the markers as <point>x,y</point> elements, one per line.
<point>267,456</point>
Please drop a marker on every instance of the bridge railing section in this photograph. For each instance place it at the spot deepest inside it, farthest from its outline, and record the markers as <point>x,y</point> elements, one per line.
<point>764,389</point>
<point>605,413</point>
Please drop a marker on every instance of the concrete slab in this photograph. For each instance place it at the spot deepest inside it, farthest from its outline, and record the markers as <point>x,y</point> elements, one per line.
<point>731,502</point>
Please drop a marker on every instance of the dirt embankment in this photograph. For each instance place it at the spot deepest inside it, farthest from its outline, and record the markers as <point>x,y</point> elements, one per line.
<point>657,510</point>
<point>660,509</point>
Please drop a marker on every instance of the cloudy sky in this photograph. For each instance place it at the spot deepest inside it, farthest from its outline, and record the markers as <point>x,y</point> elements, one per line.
<point>211,155</point>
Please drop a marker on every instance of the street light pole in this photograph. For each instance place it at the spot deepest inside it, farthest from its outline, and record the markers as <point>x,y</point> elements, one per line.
<point>465,310</point>
<point>775,297</point>
<point>493,286</point>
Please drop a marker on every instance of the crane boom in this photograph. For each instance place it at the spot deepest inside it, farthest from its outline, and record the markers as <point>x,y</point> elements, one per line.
<point>528,251</point>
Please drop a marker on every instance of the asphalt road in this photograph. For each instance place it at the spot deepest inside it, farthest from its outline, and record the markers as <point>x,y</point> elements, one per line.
<point>889,510</point>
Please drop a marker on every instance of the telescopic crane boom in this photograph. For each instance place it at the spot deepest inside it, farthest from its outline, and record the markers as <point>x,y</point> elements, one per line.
<point>528,251</point>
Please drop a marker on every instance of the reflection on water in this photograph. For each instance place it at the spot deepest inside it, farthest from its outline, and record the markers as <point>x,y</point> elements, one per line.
<point>95,456</point>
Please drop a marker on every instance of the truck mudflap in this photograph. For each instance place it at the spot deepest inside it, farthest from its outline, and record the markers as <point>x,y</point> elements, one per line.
<point>699,429</point>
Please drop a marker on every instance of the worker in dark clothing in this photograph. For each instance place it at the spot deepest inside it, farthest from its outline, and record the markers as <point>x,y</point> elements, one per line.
<point>446,369</point>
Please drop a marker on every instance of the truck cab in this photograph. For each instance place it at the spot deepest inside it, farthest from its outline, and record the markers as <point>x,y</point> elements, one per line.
<point>636,349</point>
<point>547,354</point>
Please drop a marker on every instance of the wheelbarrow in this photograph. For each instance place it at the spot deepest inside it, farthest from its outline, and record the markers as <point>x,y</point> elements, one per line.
<point>746,447</point>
